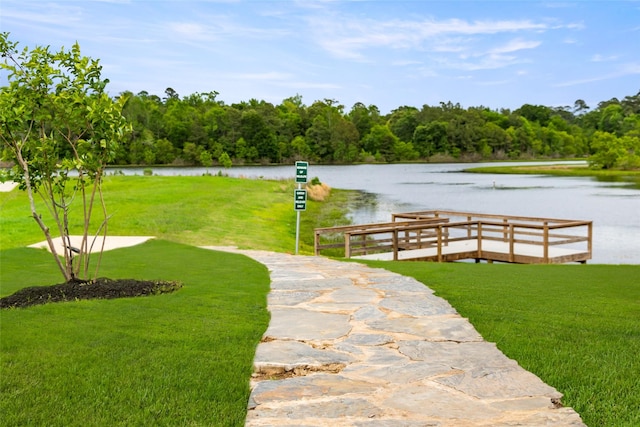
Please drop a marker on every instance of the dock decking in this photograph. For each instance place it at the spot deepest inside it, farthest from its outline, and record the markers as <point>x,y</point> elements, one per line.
<point>445,236</point>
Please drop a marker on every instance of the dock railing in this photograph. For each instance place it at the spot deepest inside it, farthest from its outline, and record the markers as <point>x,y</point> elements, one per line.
<point>364,239</point>
<point>450,235</point>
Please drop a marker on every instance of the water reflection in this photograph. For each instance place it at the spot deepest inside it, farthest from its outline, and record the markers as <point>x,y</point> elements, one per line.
<point>626,181</point>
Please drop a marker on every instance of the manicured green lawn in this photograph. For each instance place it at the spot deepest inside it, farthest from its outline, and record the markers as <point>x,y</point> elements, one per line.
<point>183,358</point>
<point>195,210</point>
<point>575,326</point>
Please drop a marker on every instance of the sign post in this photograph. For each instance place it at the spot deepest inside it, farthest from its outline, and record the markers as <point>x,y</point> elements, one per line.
<point>300,196</point>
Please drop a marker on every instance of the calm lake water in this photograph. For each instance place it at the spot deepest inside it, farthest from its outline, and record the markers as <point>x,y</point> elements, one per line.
<point>614,207</point>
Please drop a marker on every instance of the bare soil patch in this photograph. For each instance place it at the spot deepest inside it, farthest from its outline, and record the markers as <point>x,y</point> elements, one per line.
<point>101,288</point>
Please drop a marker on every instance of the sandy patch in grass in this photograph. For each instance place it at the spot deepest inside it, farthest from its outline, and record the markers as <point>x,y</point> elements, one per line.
<point>7,186</point>
<point>112,242</point>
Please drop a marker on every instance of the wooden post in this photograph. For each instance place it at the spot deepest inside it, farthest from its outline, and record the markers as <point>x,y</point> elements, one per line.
<point>316,243</point>
<point>479,239</point>
<point>589,234</point>
<point>439,243</point>
<point>395,244</point>
<point>504,229</point>
<point>545,238</point>
<point>347,245</point>
<point>511,242</point>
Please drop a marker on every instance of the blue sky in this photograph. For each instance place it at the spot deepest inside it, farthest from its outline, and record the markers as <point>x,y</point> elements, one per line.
<point>499,54</point>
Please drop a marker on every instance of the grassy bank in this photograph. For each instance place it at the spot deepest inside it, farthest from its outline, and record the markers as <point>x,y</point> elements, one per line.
<point>632,177</point>
<point>195,210</point>
<point>577,327</point>
<point>176,359</point>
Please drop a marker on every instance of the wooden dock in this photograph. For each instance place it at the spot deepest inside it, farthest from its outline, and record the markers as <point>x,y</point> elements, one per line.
<point>446,236</point>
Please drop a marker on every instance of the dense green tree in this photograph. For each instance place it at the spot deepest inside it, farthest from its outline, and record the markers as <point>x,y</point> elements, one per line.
<point>165,153</point>
<point>631,104</point>
<point>403,151</point>
<point>580,107</point>
<point>403,122</point>
<point>225,160</point>
<point>431,138</point>
<point>499,119</point>
<point>291,118</point>
<point>363,117</point>
<point>495,140</point>
<point>345,141</point>
<point>318,136</point>
<point>535,113</point>
<point>206,159</point>
<point>608,150</point>
<point>380,140</point>
<point>258,134</point>
<point>300,148</point>
<point>611,119</point>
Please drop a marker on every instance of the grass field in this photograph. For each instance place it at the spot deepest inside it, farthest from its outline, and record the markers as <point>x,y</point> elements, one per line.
<point>185,358</point>
<point>195,210</point>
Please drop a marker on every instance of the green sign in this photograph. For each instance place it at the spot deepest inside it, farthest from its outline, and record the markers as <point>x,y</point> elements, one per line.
<point>300,200</point>
<point>301,172</point>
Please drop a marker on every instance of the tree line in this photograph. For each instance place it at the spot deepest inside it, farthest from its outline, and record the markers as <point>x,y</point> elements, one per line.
<point>200,129</point>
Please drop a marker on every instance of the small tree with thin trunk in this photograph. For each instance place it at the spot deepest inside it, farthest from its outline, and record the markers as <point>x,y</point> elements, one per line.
<point>60,129</point>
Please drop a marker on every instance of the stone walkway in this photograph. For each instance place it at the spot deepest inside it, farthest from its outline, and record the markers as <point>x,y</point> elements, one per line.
<point>348,345</point>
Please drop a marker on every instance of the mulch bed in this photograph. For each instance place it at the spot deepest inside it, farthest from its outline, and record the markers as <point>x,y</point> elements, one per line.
<point>101,288</point>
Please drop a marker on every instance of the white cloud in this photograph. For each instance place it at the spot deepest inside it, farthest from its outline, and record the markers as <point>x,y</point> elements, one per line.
<point>460,26</point>
<point>629,69</point>
<point>49,13</point>
<point>451,44</point>
<point>272,75</point>
<point>190,30</point>
<point>559,4</point>
<point>493,83</point>
<point>602,58</point>
<point>350,38</point>
<point>486,62</point>
<point>405,63</point>
<point>622,71</point>
<point>515,45</point>
<point>309,85</point>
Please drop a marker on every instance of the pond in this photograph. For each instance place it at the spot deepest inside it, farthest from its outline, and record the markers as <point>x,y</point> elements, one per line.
<point>614,207</point>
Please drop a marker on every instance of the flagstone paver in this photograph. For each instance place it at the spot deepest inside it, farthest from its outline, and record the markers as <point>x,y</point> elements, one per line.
<point>349,345</point>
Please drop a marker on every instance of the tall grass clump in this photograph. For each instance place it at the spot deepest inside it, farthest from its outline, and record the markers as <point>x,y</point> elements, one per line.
<point>575,326</point>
